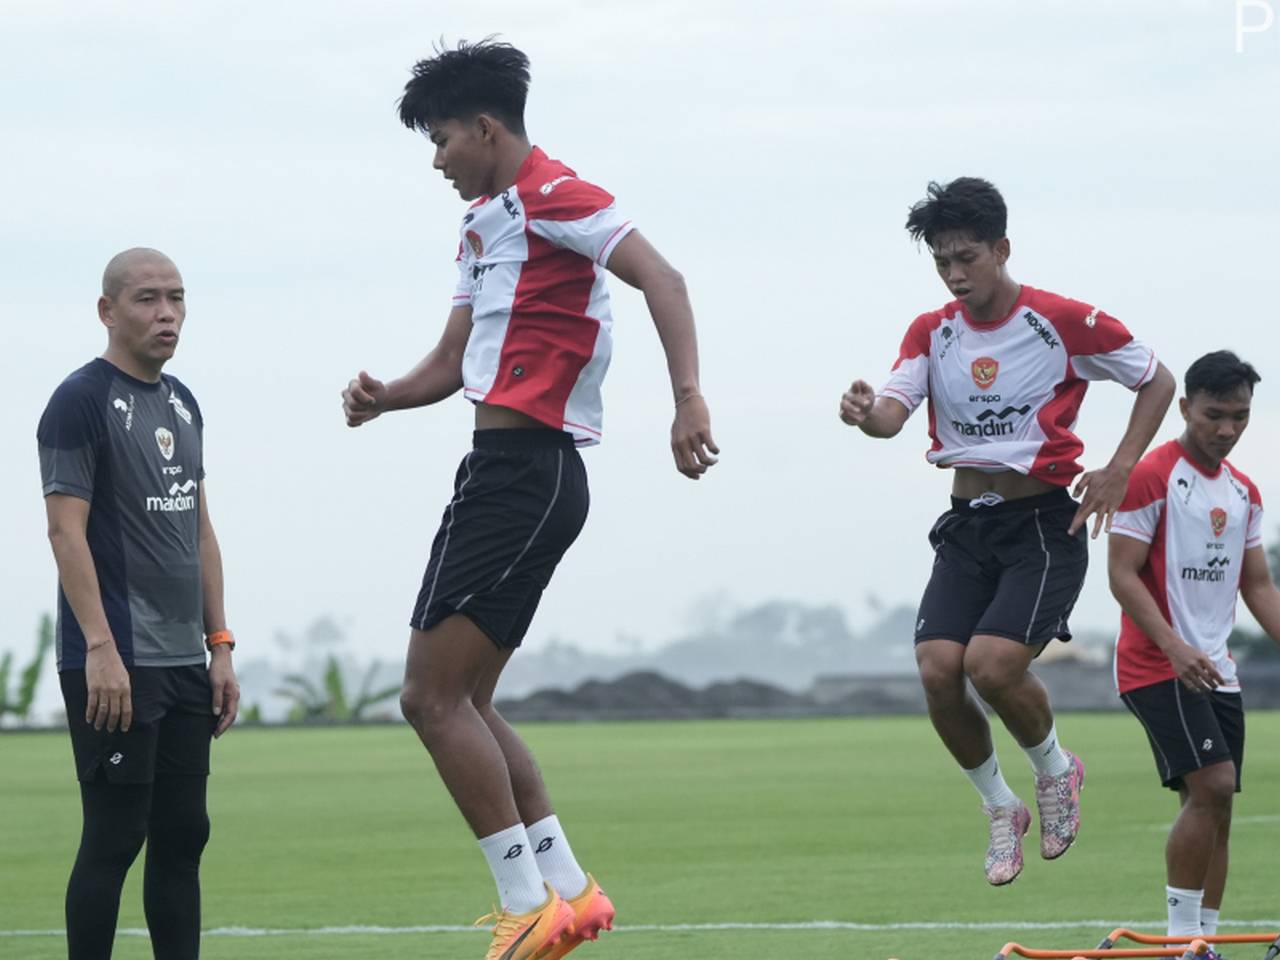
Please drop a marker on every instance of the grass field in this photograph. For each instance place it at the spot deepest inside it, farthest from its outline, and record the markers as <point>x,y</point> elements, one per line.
<point>726,822</point>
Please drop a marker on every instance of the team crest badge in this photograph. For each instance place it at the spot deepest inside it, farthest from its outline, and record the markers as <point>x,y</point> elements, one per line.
<point>164,440</point>
<point>1218,520</point>
<point>477,245</point>
<point>984,371</point>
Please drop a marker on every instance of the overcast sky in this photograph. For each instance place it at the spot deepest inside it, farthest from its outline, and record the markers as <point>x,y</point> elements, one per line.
<point>769,150</point>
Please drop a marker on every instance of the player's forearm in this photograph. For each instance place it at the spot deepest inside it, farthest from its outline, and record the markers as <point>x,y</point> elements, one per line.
<point>1263,601</point>
<point>211,585</point>
<point>1148,413</point>
<point>436,377</point>
<point>1136,600</point>
<point>885,419</point>
<point>668,301</point>
<point>79,580</point>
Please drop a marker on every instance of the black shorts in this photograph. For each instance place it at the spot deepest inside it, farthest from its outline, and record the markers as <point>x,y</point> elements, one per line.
<point>1188,730</point>
<point>1008,569</point>
<point>519,500</point>
<point>172,727</point>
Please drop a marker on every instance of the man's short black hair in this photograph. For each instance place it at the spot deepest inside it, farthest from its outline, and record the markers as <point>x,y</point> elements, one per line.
<point>966,203</point>
<point>462,83</point>
<point>1220,374</point>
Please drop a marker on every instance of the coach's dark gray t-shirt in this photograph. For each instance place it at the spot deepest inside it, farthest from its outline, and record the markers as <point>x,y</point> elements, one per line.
<point>134,450</point>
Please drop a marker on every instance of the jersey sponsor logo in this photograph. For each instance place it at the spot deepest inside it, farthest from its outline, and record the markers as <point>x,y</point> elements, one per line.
<point>1213,571</point>
<point>1006,413</point>
<point>1218,520</point>
<point>126,409</point>
<point>179,408</point>
<point>546,188</point>
<point>508,206</point>
<point>987,425</point>
<point>1036,324</point>
<point>984,371</point>
<point>1092,319</point>
<point>180,500</point>
<point>164,440</point>
<point>476,244</point>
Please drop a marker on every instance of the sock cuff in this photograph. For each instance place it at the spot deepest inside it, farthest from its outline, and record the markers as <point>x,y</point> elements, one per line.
<point>1179,892</point>
<point>547,824</point>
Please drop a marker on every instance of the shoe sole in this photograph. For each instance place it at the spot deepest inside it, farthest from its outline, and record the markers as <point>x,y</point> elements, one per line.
<point>1079,764</point>
<point>574,938</point>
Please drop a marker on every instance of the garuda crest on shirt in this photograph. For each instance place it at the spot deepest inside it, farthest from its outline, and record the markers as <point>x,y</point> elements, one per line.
<point>1218,520</point>
<point>984,371</point>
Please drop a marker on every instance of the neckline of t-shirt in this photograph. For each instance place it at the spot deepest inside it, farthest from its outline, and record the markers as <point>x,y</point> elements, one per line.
<point>1186,455</point>
<point>140,384</point>
<point>535,156</point>
<point>1024,294</point>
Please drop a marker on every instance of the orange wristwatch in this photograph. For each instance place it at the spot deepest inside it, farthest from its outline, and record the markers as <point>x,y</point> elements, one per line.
<point>220,637</point>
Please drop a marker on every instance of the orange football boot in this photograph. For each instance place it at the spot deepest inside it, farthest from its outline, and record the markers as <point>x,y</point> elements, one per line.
<point>592,912</point>
<point>524,936</point>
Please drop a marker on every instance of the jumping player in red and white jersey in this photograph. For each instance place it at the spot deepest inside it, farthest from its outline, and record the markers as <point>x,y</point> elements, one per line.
<point>1004,368</point>
<point>528,342</point>
<point>1186,541</point>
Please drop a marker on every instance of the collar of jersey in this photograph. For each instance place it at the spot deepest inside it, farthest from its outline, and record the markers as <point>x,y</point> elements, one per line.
<point>140,384</point>
<point>1024,294</point>
<point>1186,455</point>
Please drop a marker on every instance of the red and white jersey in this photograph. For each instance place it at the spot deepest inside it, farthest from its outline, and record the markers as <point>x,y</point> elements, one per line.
<point>531,267</point>
<point>1199,525</point>
<point>1005,396</point>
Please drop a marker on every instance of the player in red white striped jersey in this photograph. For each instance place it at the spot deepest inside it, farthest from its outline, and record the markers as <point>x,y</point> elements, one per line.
<point>528,342</point>
<point>1186,541</point>
<point>1004,368</point>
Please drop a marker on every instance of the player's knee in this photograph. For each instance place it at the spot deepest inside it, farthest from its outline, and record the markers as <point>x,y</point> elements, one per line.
<point>991,678</point>
<point>424,710</point>
<point>943,681</point>
<point>115,845</point>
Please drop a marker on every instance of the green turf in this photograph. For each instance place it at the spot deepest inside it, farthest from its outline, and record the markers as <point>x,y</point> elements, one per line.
<point>862,820</point>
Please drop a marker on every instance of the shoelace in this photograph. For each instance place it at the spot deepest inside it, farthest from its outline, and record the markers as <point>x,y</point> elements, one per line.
<point>501,919</point>
<point>1004,836</point>
<point>1051,804</point>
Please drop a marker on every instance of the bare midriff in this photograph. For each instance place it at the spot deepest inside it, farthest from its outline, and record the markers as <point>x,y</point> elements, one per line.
<point>491,417</point>
<point>1009,484</point>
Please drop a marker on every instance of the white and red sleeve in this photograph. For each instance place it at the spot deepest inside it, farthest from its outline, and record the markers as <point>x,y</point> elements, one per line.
<point>578,216</point>
<point>1102,348</point>
<point>908,382</point>
<point>1142,509</point>
<point>462,292</point>
<point>1253,538</point>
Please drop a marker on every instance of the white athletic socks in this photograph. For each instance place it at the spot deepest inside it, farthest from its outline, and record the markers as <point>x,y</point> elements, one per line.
<point>1048,758</point>
<point>515,870</point>
<point>555,858</point>
<point>1208,921</point>
<point>989,782</point>
<point>1184,911</point>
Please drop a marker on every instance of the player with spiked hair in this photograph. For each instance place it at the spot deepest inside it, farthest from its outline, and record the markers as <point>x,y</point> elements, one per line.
<point>1004,368</point>
<point>528,342</point>
<point>1186,542</point>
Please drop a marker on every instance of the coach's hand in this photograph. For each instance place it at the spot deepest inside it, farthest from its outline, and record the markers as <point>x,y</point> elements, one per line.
<point>1103,492</point>
<point>110,698</point>
<point>363,399</point>
<point>857,402</point>
<point>1194,668</point>
<point>691,442</point>
<point>226,690</point>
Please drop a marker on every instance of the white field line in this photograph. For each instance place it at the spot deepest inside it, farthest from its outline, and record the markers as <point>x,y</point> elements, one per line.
<point>815,925</point>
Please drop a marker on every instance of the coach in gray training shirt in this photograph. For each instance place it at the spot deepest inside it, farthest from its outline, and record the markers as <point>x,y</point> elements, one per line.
<point>139,599</point>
